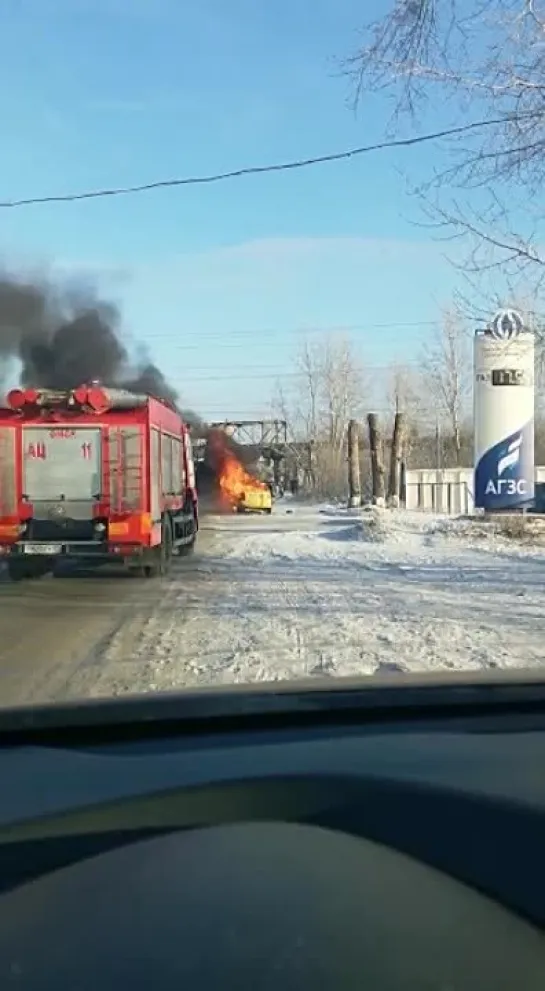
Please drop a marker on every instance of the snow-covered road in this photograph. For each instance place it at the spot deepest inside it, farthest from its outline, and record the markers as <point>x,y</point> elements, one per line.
<point>315,592</point>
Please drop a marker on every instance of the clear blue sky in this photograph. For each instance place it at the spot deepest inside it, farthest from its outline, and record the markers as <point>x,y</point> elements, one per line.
<point>217,280</point>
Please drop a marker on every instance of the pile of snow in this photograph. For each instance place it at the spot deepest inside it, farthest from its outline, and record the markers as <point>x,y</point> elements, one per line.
<point>313,593</point>
<point>375,525</point>
<point>512,535</point>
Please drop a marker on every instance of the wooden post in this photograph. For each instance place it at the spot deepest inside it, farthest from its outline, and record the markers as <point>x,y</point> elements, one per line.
<point>394,481</point>
<point>377,460</point>
<point>354,479</point>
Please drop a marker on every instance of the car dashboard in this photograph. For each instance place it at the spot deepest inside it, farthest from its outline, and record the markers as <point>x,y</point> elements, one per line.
<point>366,834</point>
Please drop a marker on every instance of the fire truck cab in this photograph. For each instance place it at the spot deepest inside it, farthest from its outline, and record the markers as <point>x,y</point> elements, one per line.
<point>94,474</point>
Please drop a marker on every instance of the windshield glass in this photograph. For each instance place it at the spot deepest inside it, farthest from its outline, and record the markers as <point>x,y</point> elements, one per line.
<point>270,343</point>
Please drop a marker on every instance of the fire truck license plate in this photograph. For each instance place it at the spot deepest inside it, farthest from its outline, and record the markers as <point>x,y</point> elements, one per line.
<point>47,549</point>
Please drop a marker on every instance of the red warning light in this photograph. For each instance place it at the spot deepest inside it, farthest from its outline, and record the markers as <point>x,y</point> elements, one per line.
<point>19,398</point>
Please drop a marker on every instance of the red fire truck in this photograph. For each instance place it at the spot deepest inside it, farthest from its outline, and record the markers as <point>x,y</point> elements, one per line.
<point>94,473</point>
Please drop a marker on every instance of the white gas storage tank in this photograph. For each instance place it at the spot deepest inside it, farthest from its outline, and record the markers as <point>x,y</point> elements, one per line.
<point>504,406</point>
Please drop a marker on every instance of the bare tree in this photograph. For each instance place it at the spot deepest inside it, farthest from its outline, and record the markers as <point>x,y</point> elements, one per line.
<point>446,372</point>
<point>404,395</point>
<point>484,58</point>
<point>297,404</point>
<point>342,388</point>
<point>330,392</point>
<point>308,362</point>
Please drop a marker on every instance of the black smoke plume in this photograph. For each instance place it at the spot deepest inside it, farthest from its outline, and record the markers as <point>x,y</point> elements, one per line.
<point>63,337</point>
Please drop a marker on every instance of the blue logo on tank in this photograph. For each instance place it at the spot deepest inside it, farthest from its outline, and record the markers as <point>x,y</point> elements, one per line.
<point>504,477</point>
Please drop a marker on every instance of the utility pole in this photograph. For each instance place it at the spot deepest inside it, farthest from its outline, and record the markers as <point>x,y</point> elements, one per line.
<point>354,479</point>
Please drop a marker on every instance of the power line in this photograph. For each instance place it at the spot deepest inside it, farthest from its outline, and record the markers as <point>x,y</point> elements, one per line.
<point>250,373</point>
<point>278,371</point>
<point>233,375</point>
<point>238,337</point>
<point>301,163</point>
<point>281,372</point>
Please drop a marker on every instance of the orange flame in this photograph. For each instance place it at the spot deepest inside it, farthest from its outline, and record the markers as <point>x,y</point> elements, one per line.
<point>235,482</point>
<point>233,479</point>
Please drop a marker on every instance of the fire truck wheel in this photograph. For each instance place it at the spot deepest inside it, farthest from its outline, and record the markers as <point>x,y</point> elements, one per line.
<point>165,560</point>
<point>186,549</point>
<point>162,554</point>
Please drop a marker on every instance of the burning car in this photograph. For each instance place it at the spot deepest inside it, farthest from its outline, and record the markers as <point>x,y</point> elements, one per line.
<point>255,500</point>
<point>239,490</point>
